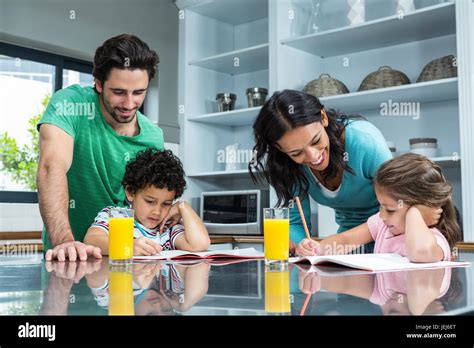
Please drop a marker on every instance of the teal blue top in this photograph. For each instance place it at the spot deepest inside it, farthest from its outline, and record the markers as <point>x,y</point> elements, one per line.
<point>355,201</point>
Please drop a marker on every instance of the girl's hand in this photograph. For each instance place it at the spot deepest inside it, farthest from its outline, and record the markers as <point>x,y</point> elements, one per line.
<point>144,246</point>
<point>174,215</point>
<point>308,247</point>
<point>431,216</point>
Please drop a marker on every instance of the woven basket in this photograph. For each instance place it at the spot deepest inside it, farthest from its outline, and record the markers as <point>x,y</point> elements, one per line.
<point>384,77</point>
<point>441,68</point>
<point>325,86</point>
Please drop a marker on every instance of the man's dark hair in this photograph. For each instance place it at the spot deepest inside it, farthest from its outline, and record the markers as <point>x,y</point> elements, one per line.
<point>152,167</point>
<point>124,52</point>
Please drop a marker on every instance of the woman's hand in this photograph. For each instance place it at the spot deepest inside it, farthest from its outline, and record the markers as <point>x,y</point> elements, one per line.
<point>308,247</point>
<point>144,246</point>
<point>309,282</point>
<point>431,216</point>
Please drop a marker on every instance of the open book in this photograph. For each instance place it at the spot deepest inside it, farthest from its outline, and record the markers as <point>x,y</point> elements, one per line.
<point>248,253</point>
<point>374,262</point>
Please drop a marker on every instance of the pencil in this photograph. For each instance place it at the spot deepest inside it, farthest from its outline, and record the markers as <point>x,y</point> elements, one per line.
<point>300,209</point>
<point>305,304</point>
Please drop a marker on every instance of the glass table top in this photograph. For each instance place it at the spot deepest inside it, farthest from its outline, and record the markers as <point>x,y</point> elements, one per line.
<point>31,286</point>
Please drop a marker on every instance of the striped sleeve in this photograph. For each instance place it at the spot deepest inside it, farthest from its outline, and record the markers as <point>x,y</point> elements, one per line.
<point>102,220</point>
<point>175,231</point>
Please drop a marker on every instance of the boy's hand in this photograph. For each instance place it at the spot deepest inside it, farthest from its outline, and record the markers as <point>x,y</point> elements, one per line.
<point>174,215</point>
<point>431,216</point>
<point>308,247</point>
<point>144,246</point>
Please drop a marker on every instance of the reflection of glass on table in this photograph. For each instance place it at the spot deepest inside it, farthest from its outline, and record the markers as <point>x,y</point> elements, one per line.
<point>120,291</point>
<point>277,291</point>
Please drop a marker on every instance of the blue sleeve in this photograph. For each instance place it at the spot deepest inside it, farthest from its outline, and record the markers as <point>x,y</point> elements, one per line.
<point>377,153</point>
<point>297,233</point>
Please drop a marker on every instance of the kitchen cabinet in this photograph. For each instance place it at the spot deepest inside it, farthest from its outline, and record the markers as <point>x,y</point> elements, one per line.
<point>230,45</point>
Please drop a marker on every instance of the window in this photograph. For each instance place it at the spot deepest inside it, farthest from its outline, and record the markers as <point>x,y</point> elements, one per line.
<point>27,79</point>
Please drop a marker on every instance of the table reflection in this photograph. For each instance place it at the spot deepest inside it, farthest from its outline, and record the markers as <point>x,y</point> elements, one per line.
<point>241,288</point>
<point>416,292</point>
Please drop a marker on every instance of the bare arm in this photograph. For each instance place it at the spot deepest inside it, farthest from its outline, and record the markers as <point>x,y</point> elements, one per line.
<point>420,243</point>
<point>341,243</point>
<point>195,236</point>
<point>97,237</point>
<point>196,283</point>
<point>56,153</point>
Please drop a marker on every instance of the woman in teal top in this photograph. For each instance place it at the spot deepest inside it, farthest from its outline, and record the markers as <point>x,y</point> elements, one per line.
<point>304,150</point>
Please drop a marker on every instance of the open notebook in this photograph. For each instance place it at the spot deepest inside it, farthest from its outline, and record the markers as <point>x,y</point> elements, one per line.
<point>374,262</point>
<point>248,253</point>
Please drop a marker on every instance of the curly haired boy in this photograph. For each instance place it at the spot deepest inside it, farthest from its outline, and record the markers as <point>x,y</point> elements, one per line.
<point>153,181</point>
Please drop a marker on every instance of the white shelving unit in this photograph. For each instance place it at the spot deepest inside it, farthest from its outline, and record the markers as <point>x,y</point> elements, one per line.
<point>260,35</point>
<point>242,61</point>
<point>423,92</point>
<point>242,117</point>
<point>383,32</point>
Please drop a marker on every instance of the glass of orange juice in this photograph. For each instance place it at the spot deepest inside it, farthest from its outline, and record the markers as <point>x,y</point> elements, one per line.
<point>277,291</point>
<point>121,290</point>
<point>120,236</point>
<point>276,236</point>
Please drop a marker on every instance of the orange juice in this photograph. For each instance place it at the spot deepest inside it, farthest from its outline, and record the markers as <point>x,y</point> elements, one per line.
<point>276,238</point>
<point>120,293</point>
<point>277,292</point>
<point>120,238</point>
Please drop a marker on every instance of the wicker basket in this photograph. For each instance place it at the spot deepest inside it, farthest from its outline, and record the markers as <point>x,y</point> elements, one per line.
<point>325,86</point>
<point>441,68</point>
<point>384,77</point>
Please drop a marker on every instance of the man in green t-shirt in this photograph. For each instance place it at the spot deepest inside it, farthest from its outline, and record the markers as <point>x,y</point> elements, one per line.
<point>87,136</point>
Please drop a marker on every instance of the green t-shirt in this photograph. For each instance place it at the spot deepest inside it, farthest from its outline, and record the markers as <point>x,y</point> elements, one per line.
<point>100,154</point>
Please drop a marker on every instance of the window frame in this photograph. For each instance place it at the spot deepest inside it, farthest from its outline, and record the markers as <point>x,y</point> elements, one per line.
<point>61,63</point>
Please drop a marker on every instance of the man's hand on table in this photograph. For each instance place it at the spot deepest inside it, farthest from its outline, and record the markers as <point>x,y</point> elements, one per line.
<point>73,250</point>
<point>73,271</point>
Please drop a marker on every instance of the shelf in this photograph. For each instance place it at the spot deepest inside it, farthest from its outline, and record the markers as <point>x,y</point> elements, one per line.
<point>250,59</point>
<point>423,92</point>
<point>241,117</point>
<point>447,161</point>
<point>231,11</point>
<point>234,174</point>
<point>423,24</point>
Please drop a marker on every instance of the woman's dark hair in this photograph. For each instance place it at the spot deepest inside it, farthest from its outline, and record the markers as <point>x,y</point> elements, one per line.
<point>124,52</point>
<point>284,111</point>
<point>152,167</point>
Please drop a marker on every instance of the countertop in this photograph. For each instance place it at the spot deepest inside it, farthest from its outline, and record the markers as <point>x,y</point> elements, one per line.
<point>31,286</point>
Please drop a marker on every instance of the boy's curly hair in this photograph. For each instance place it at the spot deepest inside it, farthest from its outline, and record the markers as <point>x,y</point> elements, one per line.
<point>152,167</point>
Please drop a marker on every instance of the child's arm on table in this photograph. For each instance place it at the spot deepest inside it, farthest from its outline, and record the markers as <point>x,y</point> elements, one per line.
<point>420,243</point>
<point>195,236</point>
<point>97,237</point>
<point>341,243</point>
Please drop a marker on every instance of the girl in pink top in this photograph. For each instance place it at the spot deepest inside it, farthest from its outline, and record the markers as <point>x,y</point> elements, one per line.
<point>417,218</point>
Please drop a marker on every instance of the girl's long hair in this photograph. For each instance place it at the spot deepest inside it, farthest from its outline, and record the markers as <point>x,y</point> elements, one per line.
<point>414,179</point>
<point>284,111</point>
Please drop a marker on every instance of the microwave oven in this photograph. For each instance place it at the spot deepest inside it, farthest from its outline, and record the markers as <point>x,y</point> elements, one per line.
<point>234,212</point>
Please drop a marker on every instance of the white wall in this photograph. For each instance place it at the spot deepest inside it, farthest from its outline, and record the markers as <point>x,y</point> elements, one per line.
<point>48,25</point>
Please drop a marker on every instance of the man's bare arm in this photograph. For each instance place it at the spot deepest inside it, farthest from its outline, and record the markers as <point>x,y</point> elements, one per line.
<point>56,153</point>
